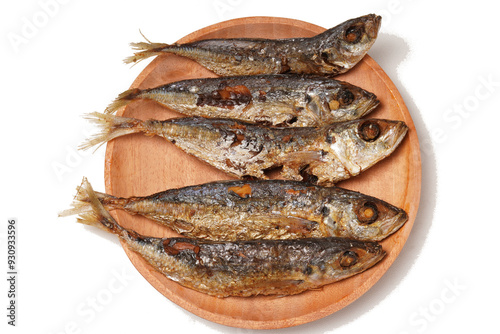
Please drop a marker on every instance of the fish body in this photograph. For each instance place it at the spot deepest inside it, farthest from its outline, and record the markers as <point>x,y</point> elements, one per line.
<point>325,154</point>
<point>244,268</point>
<point>332,52</point>
<point>285,100</point>
<point>271,209</point>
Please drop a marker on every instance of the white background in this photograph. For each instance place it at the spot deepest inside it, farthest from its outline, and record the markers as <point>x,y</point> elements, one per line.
<point>441,56</point>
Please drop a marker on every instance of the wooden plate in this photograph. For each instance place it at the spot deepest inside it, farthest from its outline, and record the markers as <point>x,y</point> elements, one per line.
<point>138,165</point>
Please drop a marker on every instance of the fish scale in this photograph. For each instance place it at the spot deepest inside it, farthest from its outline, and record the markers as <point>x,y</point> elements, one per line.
<point>272,209</point>
<point>328,154</point>
<point>242,268</point>
<point>332,52</point>
<point>287,100</point>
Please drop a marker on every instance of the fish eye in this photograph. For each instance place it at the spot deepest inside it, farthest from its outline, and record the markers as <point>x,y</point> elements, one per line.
<point>369,131</point>
<point>353,34</point>
<point>345,97</point>
<point>348,259</point>
<point>368,213</point>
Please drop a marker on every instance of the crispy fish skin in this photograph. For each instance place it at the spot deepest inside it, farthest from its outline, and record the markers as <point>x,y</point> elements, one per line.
<point>287,100</point>
<point>271,209</point>
<point>244,268</point>
<point>332,52</point>
<point>329,154</point>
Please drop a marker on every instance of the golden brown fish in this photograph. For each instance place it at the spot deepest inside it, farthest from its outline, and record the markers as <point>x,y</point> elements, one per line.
<point>244,268</point>
<point>329,154</point>
<point>270,209</point>
<point>284,99</point>
<point>332,52</point>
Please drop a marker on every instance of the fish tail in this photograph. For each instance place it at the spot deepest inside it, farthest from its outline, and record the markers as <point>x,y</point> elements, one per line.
<point>91,211</point>
<point>123,99</point>
<point>146,49</point>
<point>111,127</point>
<point>82,201</point>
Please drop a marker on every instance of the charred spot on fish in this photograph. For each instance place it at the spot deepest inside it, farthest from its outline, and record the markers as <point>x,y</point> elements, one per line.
<point>348,259</point>
<point>353,34</point>
<point>238,139</point>
<point>133,235</point>
<point>230,163</point>
<point>262,96</point>
<point>238,126</point>
<point>168,248</point>
<point>325,211</point>
<point>346,97</point>
<point>286,138</point>
<point>308,270</point>
<point>243,191</point>
<point>226,97</point>
<point>369,131</point>
<point>284,65</point>
<point>368,213</point>
<point>222,85</point>
<point>180,246</point>
<point>176,247</point>
<point>249,144</point>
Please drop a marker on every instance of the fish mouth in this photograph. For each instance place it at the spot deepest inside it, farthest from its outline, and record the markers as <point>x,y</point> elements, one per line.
<point>372,25</point>
<point>396,135</point>
<point>392,225</point>
<point>401,130</point>
<point>377,254</point>
<point>372,103</point>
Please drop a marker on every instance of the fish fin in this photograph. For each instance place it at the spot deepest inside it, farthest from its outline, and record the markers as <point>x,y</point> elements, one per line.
<point>122,100</point>
<point>93,213</point>
<point>111,127</point>
<point>296,160</point>
<point>81,203</point>
<point>315,108</point>
<point>146,49</point>
<point>303,157</point>
<point>295,225</point>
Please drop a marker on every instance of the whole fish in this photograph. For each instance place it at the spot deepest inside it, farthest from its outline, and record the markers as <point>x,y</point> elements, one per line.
<point>271,209</point>
<point>244,268</point>
<point>332,52</point>
<point>325,154</point>
<point>287,100</point>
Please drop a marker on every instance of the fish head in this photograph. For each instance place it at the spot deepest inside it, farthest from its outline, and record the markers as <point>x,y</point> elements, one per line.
<point>362,217</point>
<point>348,102</point>
<point>352,147</point>
<point>347,43</point>
<point>353,257</point>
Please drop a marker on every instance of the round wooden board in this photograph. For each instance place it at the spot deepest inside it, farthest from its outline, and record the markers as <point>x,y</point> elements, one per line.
<point>138,165</point>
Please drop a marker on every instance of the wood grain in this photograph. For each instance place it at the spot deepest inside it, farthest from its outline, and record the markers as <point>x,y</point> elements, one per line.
<point>137,165</point>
